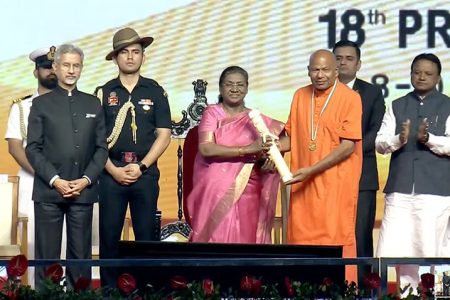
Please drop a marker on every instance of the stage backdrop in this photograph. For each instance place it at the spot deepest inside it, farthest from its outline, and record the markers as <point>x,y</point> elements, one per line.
<point>272,39</point>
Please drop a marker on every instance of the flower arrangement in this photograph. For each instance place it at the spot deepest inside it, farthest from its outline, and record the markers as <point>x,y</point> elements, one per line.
<point>250,287</point>
<point>425,289</point>
<point>51,288</point>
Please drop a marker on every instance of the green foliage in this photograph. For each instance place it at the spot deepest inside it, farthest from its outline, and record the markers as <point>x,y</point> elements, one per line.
<point>251,287</point>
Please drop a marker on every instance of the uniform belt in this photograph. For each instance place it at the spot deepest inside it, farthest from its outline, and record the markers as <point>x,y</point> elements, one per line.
<point>126,157</point>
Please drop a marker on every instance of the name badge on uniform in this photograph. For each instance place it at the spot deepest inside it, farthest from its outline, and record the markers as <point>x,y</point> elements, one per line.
<point>146,103</point>
<point>90,116</point>
<point>113,100</point>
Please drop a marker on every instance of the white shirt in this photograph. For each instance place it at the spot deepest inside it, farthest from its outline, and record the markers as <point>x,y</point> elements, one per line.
<point>387,141</point>
<point>26,179</point>
<point>351,83</point>
<point>13,128</point>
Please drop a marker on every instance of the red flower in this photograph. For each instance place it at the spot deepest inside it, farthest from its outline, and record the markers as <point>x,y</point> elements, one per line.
<point>289,288</point>
<point>372,281</point>
<point>208,287</point>
<point>126,283</point>
<point>82,284</point>
<point>250,284</point>
<point>54,272</point>
<point>246,283</point>
<point>2,282</point>
<point>256,286</point>
<point>427,281</point>
<point>327,281</point>
<point>17,266</point>
<point>178,283</point>
<point>12,295</point>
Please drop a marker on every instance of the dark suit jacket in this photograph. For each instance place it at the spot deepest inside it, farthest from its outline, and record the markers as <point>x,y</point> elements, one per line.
<point>66,137</point>
<point>373,112</point>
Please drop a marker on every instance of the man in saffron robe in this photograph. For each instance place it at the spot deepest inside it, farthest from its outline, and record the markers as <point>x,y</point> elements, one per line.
<point>324,129</point>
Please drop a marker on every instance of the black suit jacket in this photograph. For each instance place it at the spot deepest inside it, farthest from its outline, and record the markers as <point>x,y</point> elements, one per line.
<point>373,112</point>
<point>66,137</point>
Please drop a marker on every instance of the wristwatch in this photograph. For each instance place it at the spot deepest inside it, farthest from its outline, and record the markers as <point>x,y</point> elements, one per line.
<point>142,167</point>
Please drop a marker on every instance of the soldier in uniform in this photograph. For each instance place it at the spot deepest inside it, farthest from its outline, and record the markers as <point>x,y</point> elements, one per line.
<point>16,136</point>
<point>138,130</point>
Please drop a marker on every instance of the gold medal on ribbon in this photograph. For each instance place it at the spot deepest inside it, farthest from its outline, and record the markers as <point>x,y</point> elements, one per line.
<point>314,128</point>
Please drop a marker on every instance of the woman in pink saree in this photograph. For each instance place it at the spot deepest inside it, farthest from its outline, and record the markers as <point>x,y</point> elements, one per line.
<point>234,196</point>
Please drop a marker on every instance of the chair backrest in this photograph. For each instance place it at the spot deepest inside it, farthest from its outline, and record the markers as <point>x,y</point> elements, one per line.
<point>190,149</point>
<point>9,195</point>
<point>180,231</point>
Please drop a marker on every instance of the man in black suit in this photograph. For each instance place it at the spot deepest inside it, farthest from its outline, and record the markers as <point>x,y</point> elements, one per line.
<point>67,149</point>
<point>348,56</point>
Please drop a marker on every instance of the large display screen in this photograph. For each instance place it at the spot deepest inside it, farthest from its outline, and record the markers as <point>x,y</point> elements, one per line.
<point>271,39</point>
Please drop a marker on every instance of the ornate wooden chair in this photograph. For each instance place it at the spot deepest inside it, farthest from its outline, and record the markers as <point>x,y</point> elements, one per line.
<point>279,234</point>
<point>13,230</point>
<point>186,129</point>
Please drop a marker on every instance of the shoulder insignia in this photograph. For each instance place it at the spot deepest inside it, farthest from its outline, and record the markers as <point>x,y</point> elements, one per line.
<point>23,129</point>
<point>154,82</point>
<point>20,99</point>
<point>97,89</point>
<point>99,94</point>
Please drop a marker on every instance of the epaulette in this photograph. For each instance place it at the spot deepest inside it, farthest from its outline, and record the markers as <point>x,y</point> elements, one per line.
<point>154,82</point>
<point>23,129</point>
<point>20,99</point>
<point>99,93</point>
<point>97,89</point>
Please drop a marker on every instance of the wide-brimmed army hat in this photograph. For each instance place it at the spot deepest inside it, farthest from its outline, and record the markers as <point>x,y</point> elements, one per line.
<point>125,37</point>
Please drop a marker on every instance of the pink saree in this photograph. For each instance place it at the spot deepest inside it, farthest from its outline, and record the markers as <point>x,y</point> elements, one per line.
<point>232,200</point>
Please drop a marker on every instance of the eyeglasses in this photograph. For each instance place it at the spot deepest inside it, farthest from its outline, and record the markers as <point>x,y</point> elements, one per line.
<point>68,66</point>
<point>239,86</point>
